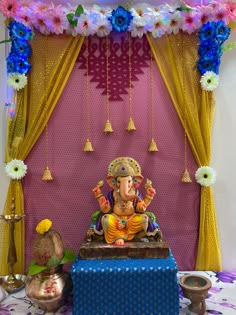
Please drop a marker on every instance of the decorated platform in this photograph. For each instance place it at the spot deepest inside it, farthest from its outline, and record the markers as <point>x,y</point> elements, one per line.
<point>125,286</point>
<point>101,250</point>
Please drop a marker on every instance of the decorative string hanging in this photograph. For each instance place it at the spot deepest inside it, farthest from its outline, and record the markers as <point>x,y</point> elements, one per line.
<point>108,127</point>
<point>131,125</point>
<point>88,144</point>
<point>186,176</point>
<point>47,176</point>
<point>152,146</point>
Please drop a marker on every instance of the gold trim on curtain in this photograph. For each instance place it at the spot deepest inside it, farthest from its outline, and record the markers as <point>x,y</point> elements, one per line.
<point>31,116</point>
<point>172,54</point>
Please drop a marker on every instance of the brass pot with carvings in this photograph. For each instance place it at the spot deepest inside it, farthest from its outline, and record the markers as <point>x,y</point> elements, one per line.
<point>50,288</point>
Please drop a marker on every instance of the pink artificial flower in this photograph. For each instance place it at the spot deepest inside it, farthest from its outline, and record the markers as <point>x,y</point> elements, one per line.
<point>222,14</point>
<point>205,14</point>
<point>231,9</point>
<point>24,16</point>
<point>190,22</point>
<point>9,8</point>
<point>57,20</point>
<point>39,21</point>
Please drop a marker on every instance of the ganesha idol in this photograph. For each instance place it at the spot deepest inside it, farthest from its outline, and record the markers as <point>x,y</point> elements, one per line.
<point>122,216</point>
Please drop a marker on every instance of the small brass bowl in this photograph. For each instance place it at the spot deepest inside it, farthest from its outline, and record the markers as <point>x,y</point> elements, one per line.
<point>195,288</point>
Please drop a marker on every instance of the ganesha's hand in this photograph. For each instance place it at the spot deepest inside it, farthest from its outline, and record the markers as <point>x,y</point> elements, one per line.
<point>104,204</point>
<point>151,192</point>
<point>97,192</point>
<point>141,206</point>
<point>121,224</point>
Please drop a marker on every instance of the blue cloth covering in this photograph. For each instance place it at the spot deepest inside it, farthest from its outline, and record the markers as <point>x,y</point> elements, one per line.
<point>125,287</point>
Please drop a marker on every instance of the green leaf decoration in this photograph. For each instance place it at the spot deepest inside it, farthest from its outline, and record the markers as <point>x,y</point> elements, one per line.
<point>79,10</point>
<point>34,269</point>
<point>151,216</point>
<point>95,216</point>
<point>229,46</point>
<point>184,8</point>
<point>53,262</point>
<point>6,41</point>
<point>70,18</point>
<point>69,256</point>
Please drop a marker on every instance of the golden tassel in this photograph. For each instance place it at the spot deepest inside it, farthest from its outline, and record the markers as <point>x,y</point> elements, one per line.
<point>88,146</point>
<point>152,146</point>
<point>108,127</point>
<point>186,177</point>
<point>131,126</point>
<point>47,174</point>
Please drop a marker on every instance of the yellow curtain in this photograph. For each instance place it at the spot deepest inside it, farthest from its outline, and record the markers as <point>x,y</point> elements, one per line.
<point>52,61</point>
<point>176,57</point>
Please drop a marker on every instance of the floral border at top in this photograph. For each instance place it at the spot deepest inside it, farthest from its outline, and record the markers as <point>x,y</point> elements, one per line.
<point>138,19</point>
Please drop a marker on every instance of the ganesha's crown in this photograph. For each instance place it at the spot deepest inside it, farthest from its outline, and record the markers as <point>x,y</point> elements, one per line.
<point>124,166</point>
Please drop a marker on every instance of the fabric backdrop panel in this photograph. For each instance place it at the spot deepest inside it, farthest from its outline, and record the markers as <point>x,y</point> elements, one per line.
<point>68,200</point>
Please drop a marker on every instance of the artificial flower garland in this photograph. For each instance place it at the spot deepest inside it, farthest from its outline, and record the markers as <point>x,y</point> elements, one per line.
<point>139,19</point>
<point>16,169</point>
<point>205,176</point>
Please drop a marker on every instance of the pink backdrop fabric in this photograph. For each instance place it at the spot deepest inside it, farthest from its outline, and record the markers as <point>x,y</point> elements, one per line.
<point>68,200</point>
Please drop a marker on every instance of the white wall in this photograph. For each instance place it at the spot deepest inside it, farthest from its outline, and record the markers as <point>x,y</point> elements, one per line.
<point>224,155</point>
<point>223,149</point>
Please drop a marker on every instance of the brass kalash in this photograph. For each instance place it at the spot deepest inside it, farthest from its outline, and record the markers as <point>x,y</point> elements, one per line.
<point>12,282</point>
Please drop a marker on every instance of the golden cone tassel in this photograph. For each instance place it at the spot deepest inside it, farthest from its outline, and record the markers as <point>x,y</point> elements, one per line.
<point>108,127</point>
<point>186,177</point>
<point>131,126</point>
<point>152,146</point>
<point>88,146</point>
<point>47,174</point>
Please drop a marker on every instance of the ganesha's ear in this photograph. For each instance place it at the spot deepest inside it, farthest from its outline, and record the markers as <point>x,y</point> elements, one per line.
<point>111,181</point>
<point>137,180</point>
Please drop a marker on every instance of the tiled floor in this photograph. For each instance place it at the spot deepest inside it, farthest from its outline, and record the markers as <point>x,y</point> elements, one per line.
<point>221,299</point>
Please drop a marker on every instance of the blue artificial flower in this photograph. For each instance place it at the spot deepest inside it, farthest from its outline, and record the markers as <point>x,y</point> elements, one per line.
<point>207,31</point>
<point>11,63</point>
<point>222,31</point>
<point>120,19</point>
<point>209,63</point>
<point>11,25</point>
<point>19,30</point>
<point>21,48</point>
<point>210,48</point>
<point>15,63</point>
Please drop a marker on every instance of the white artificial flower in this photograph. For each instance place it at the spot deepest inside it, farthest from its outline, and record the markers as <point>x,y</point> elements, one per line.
<point>104,26</point>
<point>17,81</point>
<point>205,176</point>
<point>159,28</point>
<point>138,27</point>
<point>85,26</point>
<point>209,81</point>
<point>174,22</point>
<point>16,169</point>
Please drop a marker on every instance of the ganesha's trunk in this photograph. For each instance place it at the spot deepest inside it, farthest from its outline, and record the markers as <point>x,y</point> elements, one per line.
<point>124,192</point>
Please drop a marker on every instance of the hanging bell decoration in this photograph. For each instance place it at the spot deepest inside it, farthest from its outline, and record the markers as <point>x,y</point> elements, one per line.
<point>108,127</point>
<point>131,126</point>
<point>47,174</point>
<point>152,146</point>
<point>88,146</point>
<point>186,177</point>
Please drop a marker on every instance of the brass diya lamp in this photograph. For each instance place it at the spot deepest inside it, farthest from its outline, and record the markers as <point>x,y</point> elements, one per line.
<point>12,282</point>
<point>195,288</point>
